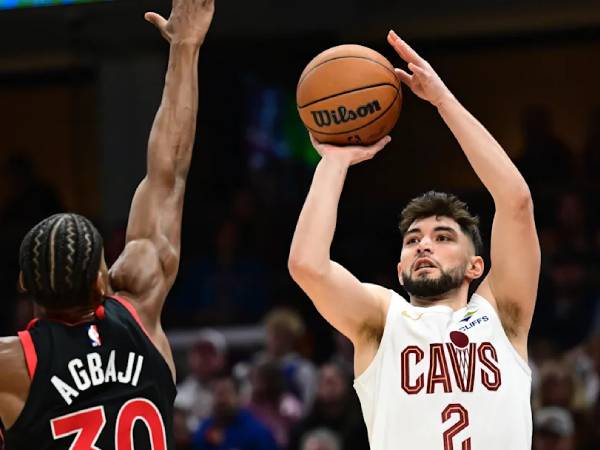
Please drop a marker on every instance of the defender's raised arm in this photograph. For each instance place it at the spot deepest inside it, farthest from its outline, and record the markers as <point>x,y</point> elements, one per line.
<point>148,266</point>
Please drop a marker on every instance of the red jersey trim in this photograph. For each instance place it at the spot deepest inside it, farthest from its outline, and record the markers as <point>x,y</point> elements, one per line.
<point>31,323</point>
<point>29,351</point>
<point>129,307</point>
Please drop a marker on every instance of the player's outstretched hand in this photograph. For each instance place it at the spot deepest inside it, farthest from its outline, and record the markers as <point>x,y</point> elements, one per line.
<point>423,80</point>
<point>188,23</point>
<point>349,154</point>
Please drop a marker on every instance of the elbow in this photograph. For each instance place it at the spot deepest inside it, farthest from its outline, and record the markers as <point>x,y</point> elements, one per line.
<point>522,200</point>
<point>301,269</point>
<point>516,200</point>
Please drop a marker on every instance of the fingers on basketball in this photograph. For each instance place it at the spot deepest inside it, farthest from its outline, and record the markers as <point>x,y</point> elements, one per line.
<point>378,146</point>
<point>403,76</point>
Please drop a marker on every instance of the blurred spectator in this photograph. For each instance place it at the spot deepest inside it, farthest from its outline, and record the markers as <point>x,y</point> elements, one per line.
<point>206,359</point>
<point>343,355</point>
<point>284,329</point>
<point>231,427</point>
<point>554,429</point>
<point>320,439</point>
<point>565,310</point>
<point>336,408</point>
<point>181,432</point>
<point>271,404</point>
<point>557,385</point>
<point>545,159</point>
<point>585,367</point>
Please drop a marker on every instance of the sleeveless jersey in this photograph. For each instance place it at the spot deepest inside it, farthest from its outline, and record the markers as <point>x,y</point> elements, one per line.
<point>101,384</point>
<point>446,380</point>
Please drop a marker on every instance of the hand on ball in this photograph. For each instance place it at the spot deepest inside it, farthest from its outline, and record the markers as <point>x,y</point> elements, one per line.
<point>350,154</point>
<point>423,80</point>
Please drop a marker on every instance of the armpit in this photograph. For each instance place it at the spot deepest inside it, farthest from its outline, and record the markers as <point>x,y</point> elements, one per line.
<point>510,316</point>
<point>371,333</point>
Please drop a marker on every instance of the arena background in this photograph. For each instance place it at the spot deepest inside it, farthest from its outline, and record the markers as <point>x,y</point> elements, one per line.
<point>79,87</point>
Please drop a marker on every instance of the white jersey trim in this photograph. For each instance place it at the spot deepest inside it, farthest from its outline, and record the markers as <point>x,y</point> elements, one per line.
<point>372,365</point>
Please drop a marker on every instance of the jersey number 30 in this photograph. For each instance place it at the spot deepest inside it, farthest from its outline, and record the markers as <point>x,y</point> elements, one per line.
<point>462,423</point>
<point>87,425</point>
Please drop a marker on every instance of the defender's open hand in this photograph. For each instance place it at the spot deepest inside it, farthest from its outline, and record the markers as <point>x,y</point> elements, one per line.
<point>188,23</point>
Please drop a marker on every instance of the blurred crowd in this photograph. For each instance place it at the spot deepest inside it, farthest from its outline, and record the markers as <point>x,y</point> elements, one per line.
<point>276,398</point>
<point>295,390</point>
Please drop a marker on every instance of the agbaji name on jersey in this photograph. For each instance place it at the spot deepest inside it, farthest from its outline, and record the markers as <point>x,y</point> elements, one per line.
<point>92,371</point>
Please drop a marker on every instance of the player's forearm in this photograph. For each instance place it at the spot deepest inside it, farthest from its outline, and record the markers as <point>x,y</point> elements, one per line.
<point>310,250</point>
<point>174,129</point>
<point>489,161</point>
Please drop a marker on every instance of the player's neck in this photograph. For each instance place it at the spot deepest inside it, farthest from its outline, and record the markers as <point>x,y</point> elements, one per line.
<point>455,299</point>
<point>75,314</point>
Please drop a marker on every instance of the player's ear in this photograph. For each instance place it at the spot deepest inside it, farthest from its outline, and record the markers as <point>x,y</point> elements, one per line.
<point>100,284</point>
<point>475,267</point>
<point>399,268</point>
<point>21,284</point>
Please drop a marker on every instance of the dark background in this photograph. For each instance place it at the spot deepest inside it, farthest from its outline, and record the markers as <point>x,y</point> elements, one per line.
<point>79,87</point>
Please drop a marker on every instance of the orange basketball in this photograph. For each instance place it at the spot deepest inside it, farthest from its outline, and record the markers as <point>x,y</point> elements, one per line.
<point>349,94</point>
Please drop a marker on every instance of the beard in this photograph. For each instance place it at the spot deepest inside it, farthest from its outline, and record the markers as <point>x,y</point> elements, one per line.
<point>434,287</point>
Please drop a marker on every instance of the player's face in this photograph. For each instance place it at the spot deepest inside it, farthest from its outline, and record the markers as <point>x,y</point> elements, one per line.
<point>436,257</point>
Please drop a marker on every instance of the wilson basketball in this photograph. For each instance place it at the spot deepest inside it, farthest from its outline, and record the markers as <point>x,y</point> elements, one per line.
<point>349,94</point>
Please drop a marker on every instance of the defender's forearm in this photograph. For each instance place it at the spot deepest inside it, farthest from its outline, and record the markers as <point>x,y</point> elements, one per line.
<point>489,160</point>
<point>311,244</point>
<point>174,129</point>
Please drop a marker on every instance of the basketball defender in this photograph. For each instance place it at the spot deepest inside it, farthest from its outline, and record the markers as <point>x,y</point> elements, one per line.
<point>440,371</point>
<point>95,370</point>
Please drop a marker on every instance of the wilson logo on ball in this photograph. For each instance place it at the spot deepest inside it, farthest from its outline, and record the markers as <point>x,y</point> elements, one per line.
<point>324,118</point>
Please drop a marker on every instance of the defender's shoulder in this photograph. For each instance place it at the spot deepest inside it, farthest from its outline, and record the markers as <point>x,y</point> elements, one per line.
<point>10,346</point>
<point>12,361</point>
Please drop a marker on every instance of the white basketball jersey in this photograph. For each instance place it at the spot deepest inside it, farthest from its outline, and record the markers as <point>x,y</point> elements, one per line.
<point>446,380</point>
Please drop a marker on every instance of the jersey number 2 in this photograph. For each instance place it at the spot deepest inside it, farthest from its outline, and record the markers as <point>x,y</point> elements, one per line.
<point>462,423</point>
<point>87,425</point>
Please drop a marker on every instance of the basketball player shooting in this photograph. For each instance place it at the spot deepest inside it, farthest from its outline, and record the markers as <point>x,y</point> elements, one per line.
<point>440,371</point>
<point>95,371</point>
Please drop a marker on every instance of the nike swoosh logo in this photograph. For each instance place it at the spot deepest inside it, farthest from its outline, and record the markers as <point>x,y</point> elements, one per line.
<point>412,317</point>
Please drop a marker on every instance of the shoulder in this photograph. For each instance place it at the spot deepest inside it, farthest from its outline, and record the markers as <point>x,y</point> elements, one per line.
<point>252,424</point>
<point>12,361</point>
<point>373,330</point>
<point>382,295</point>
<point>10,351</point>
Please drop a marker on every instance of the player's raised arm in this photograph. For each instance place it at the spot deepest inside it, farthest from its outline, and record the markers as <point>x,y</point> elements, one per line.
<point>349,305</point>
<point>515,253</point>
<point>147,267</point>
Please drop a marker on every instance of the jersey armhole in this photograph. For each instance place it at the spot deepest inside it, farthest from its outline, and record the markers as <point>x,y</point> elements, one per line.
<point>29,352</point>
<point>133,312</point>
<point>360,379</point>
<point>131,309</point>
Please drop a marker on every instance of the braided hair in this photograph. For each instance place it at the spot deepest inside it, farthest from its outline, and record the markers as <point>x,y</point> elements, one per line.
<point>59,259</point>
